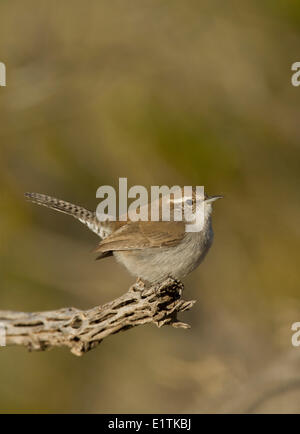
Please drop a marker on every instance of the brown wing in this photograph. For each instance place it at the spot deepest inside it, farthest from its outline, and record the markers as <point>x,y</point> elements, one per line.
<point>141,235</point>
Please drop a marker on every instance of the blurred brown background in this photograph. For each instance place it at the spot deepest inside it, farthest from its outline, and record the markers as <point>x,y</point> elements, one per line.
<point>161,92</point>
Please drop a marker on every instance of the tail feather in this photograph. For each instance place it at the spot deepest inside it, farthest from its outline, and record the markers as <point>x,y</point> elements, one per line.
<point>85,216</point>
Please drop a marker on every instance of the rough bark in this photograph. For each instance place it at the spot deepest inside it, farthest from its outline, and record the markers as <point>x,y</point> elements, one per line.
<point>82,331</point>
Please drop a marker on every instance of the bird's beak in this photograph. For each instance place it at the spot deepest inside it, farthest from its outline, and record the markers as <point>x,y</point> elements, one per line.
<point>213,198</point>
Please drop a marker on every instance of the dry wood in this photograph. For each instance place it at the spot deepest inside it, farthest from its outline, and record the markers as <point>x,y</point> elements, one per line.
<point>82,331</point>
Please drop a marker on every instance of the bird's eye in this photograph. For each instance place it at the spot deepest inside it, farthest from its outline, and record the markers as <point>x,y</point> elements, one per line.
<point>189,202</point>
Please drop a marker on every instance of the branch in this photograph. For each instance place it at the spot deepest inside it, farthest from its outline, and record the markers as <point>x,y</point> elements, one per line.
<point>82,330</point>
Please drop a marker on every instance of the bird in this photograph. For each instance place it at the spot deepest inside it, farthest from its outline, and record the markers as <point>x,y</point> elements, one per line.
<point>150,250</point>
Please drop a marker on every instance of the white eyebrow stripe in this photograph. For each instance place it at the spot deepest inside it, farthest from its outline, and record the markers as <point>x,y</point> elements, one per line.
<point>180,199</point>
<point>183,199</point>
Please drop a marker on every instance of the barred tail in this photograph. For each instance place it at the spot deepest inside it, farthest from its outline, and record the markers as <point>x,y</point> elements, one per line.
<point>85,216</point>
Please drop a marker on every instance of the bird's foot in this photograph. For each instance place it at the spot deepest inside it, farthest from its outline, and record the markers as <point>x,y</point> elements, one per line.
<point>177,284</point>
<point>140,284</point>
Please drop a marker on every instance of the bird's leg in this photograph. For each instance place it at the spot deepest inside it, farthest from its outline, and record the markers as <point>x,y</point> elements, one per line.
<point>140,284</point>
<point>177,284</point>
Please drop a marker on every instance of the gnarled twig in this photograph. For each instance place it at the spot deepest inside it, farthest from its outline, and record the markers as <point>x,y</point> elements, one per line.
<point>82,331</point>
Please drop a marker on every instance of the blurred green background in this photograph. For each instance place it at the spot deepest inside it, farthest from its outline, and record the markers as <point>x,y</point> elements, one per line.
<point>161,92</point>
